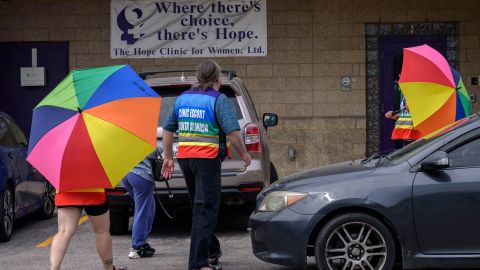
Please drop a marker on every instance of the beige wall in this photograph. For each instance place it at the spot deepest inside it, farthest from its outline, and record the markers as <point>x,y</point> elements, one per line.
<point>311,44</point>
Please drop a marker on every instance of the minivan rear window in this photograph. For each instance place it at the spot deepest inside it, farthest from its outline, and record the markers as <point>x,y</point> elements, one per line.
<point>169,95</point>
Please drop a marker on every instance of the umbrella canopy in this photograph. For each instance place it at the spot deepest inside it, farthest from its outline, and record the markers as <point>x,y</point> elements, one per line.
<point>434,91</point>
<point>94,127</point>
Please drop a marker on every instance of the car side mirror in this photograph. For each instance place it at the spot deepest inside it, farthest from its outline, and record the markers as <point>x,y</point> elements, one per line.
<point>437,160</point>
<point>270,120</point>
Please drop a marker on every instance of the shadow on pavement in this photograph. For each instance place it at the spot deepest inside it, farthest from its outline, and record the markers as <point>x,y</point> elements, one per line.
<point>231,219</point>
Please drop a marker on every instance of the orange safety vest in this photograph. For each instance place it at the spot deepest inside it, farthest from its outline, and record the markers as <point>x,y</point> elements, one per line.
<point>404,129</point>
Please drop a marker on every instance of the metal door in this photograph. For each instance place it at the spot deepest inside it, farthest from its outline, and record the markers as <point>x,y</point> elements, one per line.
<point>18,101</point>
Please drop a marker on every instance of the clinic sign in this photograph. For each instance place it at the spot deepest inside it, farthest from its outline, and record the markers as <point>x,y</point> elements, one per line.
<point>187,28</point>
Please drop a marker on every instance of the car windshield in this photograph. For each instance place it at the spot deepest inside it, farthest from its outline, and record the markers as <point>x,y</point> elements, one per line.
<point>412,149</point>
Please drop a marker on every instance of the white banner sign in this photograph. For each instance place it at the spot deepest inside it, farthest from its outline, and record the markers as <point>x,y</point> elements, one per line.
<point>187,28</point>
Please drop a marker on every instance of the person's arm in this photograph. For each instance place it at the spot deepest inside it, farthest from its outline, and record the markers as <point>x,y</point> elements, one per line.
<point>236,139</point>
<point>227,118</point>
<point>168,164</point>
<point>391,115</point>
<point>169,127</point>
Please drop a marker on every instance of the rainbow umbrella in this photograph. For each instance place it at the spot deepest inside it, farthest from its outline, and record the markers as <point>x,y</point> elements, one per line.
<point>94,127</point>
<point>434,91</point>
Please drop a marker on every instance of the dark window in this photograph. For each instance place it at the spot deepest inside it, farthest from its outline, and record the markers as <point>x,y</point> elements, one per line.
<point>466,155</point>
<point>6,139</point>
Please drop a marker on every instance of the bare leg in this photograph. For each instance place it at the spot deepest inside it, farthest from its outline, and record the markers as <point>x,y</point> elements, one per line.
<point>103,240</point>
<point>67,225</point>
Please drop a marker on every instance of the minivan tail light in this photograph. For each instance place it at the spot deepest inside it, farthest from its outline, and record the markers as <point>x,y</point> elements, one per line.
<point>252,138</point>
<point>251,189</point>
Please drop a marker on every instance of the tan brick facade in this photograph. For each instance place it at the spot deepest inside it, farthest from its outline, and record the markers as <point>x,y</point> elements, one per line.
<point>311,45</point>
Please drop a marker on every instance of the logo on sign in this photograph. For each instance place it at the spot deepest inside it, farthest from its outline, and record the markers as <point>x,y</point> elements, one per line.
<point>127,22</point>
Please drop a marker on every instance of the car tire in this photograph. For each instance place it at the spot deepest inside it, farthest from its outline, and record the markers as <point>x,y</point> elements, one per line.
<point>273,173</point>
<point>48,202</point>
<point>346,241</point>
<point>119,222</point>
<point>7,214</point>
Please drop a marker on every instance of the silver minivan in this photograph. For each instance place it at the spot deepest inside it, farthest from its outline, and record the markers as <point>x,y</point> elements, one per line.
<point>240,186</point>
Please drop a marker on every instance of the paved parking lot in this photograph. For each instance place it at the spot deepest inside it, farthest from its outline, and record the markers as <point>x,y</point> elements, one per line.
<point>170,238</point>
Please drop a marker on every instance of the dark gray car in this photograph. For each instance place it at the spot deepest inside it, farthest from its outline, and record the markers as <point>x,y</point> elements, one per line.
<point>419,206</point>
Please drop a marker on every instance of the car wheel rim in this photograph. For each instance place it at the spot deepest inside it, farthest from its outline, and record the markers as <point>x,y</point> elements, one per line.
<point>356,246</point>
<point>48,199</point>
<point>8,210</point>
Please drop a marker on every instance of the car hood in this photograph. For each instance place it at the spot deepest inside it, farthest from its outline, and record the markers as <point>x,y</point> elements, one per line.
<point>344,170</point>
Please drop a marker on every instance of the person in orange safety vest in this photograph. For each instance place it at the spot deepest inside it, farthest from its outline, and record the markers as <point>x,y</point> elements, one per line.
<point>404,131</point>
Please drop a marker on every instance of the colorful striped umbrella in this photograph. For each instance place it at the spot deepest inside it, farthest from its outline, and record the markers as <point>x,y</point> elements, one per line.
<point>434,91</point>
<point>94,127</point>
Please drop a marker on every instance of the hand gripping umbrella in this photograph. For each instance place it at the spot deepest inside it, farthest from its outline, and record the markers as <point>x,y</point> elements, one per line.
<point>94,127</point>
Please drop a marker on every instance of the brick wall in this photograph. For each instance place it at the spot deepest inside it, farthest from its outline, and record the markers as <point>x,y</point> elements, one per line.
<point>311,45</point>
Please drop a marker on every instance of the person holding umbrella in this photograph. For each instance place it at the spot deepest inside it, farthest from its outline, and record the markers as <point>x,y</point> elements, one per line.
<point>200,115</point>
<point>86,137</point>
<point>434,90</point>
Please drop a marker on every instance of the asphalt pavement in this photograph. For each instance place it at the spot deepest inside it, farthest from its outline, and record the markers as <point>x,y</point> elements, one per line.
<point>170,238</point>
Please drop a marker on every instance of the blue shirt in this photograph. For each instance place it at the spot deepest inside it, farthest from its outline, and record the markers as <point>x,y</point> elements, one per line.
<point>226,116</point>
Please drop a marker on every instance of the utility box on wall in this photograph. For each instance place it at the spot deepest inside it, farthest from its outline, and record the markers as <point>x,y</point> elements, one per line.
<point>32,76</point>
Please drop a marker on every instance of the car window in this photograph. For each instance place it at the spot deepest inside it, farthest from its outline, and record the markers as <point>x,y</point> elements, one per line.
<point>169,96</point>
<point>6,139</point>
<point>466,155</point>
<point>18,136</point>
<point>412,149</point>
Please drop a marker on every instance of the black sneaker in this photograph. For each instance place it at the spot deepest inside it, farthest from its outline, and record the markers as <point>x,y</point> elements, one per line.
<point>140,253</point>
<point>213,259</point>
<point>147,246</point>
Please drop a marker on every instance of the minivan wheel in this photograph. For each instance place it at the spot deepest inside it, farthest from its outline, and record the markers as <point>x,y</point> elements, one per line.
<point>7,214</point>
<point>355,241</point>
<point>48,202</point>
<point>273,173</point>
